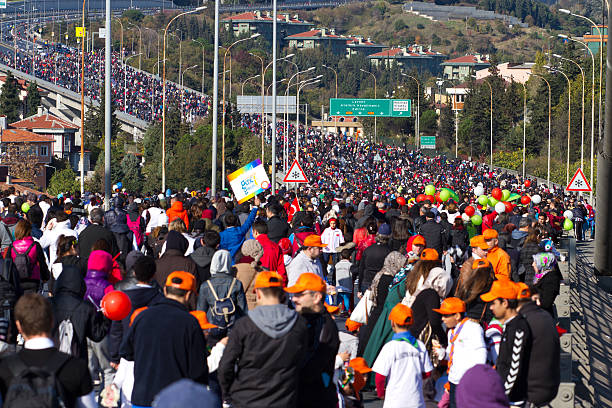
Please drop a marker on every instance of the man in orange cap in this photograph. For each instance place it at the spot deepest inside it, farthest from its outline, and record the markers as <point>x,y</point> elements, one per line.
<point>316,384</point>
<point>166,342</point>
<point>402,363</point>
<point>466,347</point>
<point>307,260</point>
<point>515,347</point>
<point>260,364</point>
<point>500,260</point>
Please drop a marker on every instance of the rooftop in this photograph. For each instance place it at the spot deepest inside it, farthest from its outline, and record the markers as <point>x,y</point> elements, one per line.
<point>316,33</point>
<point>22,136</point>
<point>267,16</point>
<point>410,51</point>
<point>43,121</point>
<point>468,60</point>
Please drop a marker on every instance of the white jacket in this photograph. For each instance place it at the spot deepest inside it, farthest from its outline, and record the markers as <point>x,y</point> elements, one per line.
<point>50,237</point>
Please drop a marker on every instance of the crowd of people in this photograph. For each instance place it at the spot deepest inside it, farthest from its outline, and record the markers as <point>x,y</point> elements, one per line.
<point>304,298</point>
<point>143,93</point>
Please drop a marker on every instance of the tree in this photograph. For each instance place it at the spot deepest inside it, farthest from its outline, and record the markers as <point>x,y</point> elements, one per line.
<point>63,181</point>
<point>10,104</point>
<point>132,175</point>
<point>22,160</point>
<point>32,99</point>
<point>95,124</point>
<point>446,130</point>
<point>429,121</point>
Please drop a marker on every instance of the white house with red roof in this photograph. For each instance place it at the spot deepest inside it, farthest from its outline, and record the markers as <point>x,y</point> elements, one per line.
<point>252,22</point>
<point>364,46</point>
<point>319,37</point>
<point>463,67</point>
<point>416,56</point>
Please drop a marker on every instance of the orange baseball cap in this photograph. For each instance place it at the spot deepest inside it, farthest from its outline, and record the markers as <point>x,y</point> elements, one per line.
<point>181,280</point>
<point>505,289</point>
<point>308,281</point>
<point>478,242</point>
<point>313,241</point>
<point>401,315</point>
<point>359,364</point>
<point>332,309</point>
<point>203,320</point>
<point>480,263</point>
<point>419,240</point>
<point>352,326</point>
<point>429,254</point>
<point>451,306</point>
<point>268,279</point>
<point>489,233</point>
<point>524,291</point>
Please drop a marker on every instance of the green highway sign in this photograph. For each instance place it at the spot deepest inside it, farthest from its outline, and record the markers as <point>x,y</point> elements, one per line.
<point>396,108</point>
<point>428,142</point>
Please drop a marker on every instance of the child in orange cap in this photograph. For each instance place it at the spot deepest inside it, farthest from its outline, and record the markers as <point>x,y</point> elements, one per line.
<point>466,346</point>
<point>402,364</point>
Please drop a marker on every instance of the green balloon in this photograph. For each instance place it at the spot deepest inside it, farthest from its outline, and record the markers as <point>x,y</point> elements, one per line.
<point>476,219</point>
<point>505,195</point>
<point>492,202</point>
<point>444,195</point>
<point>25,207</point>
<point>568,224</point>
<point>482,200</point>
<point>430,189</point>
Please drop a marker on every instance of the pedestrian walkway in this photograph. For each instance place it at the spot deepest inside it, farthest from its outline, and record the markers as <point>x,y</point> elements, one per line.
<point>592,332</point>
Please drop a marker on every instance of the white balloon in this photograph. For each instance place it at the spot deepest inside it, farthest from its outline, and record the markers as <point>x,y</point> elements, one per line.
<point>500,207</point>
<point>568,214</point>
<point>465,217</point>
<point>478,191</point>
<point>536,199</point>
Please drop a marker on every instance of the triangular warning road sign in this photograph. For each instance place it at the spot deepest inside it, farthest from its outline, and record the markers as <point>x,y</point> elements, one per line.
<point>578,182</point>
<point>295,174</point>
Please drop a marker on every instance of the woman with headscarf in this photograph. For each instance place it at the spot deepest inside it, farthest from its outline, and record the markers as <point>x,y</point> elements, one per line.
<point>222,285</point>
<point>379,289</point>
<point>547,280</point>
<point>248,267</point>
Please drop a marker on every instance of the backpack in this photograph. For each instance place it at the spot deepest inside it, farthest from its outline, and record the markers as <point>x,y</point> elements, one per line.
<point>223,311</point>
<point>10,290</point>
<point>35,387</point>
<point>22,261</point>
<point>134,226</point>
<point>66,338</point>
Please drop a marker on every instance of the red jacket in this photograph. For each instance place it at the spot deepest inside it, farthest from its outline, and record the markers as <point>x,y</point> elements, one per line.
<point>272,258</point>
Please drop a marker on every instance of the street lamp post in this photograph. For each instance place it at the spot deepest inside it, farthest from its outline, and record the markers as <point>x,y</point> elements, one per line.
<point>297,112</point>
<point>118,19</point>
<point>125,81</point>
<point>139,44</point>
<point>592,153</point>
<point>164,94</point>
<point>82,157</point>
<point>157,49</point>
<point>336,76</point>
<point>262,106</point>
<point>418,113</point>
<point>203,61</point>
<point>549,124</point>
<point>245,81</point>
<point>300,86</point>
<point>183,89</point>
<point>153,94</point>
<point>373,76</point>
<point>569,118</point>
<point>582,125</point>
<point>491,135</point>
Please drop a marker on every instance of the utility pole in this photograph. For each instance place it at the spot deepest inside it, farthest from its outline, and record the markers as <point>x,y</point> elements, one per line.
<point>215,113</point>
<point>107,108</point>
<point>603,221</point>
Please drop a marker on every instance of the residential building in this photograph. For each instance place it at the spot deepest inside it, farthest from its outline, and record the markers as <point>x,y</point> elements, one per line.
<point>508,70</point>
<point>253,22</point>
<point>319,38</point>
<point>463,67</point>
<point>593,40</point>
<point>38,145</point>
<point>408,58</point>
<point>364,46</point>
<point>457,95</point>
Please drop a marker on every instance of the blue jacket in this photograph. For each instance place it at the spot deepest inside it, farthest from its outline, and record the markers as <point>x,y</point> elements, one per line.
<point>233,237</point>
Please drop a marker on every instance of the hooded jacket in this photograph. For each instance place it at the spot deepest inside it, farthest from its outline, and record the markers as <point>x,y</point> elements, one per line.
<point>7,230</point>
<point>221,279</point>
<point>260,364</point>
<point>177,211</point>
<point>93,233</point>
<point>124,237</point>
<point>140,296</point>
<point>50,237</point>
<point>202,257</point>
<point>174,259</point>
<point>68,303</point>
<point>232,238</point>
<point>39,272</point>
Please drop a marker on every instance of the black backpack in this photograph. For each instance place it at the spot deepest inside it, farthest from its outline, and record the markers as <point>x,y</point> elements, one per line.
<point>35,387</point>
<point>22,261</point>
<point>10,290</point>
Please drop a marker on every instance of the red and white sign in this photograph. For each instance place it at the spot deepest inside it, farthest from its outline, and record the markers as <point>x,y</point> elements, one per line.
<point>295,174</point>
<point>578,182</point>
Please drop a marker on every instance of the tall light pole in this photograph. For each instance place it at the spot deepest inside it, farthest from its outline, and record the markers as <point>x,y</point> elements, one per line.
<point>139,44</point>
<point>107,106</point>
<point>286,57</point>
<point>125,81</point>
<point>524,120</point>
<point>224,107</point>
<point>491,135</point>
<point>301,85</point>
<point>297,113</point>
<point>549,126</point>
<point>274,51</point>
<point>163,186</point>
<point>373,76</point>
<point>118,19</point>
<point>592,109</point>
<point>263,102</point>
<point>569,118</point>
<point>245,81</point>
<point>336,76</point>
<point>82,158</point>
<point>418,114</point>
<point>203,61</point>
<point>157,49</point>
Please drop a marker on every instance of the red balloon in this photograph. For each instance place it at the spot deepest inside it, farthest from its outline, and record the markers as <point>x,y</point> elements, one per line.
<point>469,211</point>
<point>116,305</point>
<point>525,200</point>
<point>508,206</point>
<point>496,193</point>
<point>438,199</point>
<point>431,198</point>
<point>527,183</point>
<point>421,197</point>
<point>401,200</point>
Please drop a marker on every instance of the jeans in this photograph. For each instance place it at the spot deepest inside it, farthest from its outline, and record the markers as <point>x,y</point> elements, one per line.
<point>99,360</point>
<point>453,389</point>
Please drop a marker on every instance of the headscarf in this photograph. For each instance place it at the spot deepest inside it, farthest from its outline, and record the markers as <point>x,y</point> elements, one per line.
<point>438,280</point>
<point>221,262</point>
<point>393,263</point>
<point>252,248</point>
<point>545,262</point>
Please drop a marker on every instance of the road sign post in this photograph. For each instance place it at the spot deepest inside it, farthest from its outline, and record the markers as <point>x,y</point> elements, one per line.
<point>578,182</point>
<point>395,108</point>
<point>428,142</point>
<point>295,174</point>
